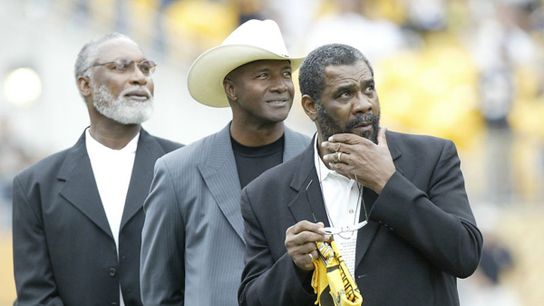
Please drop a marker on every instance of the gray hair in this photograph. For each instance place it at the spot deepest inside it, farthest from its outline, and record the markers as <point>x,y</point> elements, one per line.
<point>87,54</point>
<point>311,75</point>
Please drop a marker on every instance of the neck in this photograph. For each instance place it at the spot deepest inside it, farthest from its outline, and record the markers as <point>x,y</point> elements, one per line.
<point>108,132</point>
<point>113,135</point>
<point>252,135</point>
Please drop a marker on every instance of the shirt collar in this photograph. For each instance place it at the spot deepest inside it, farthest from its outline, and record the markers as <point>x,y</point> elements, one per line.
<point>95,146</point>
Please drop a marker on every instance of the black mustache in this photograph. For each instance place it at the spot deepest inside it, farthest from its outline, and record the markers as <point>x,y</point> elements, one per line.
<point>368,118</point>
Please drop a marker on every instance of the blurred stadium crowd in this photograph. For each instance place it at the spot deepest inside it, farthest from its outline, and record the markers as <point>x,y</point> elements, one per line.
<point>468,70</point>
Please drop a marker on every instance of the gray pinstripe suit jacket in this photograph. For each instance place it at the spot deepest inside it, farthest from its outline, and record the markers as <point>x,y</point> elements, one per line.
<point>192,241</point>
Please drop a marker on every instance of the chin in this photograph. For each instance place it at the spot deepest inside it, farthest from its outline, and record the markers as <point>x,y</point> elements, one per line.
<point>371,135</point>
<point>278,116</point>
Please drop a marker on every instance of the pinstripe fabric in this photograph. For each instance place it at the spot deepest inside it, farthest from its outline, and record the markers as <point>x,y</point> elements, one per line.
<point>192,243</point>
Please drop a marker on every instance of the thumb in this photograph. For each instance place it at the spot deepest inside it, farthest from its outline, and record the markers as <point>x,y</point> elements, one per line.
<point>382,141</point>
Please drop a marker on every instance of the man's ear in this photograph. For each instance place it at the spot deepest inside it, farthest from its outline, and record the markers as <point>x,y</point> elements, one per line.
<point>84,86</point>
<point>230,89</point>
<point>309,106</point>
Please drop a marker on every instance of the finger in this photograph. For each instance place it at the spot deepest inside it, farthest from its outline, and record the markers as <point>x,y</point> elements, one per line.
<point>305,225</point>
<point>309,258</point>
<point>347,138</point>
<point>312,256</point>
<point>304,262</point>
<point>305,248</point>
<point>336,158</point>
<point>329,159</point>
<point>341,168</point>
<point>300,251</point>
<point>305,237</point>
<point>315,254</point>
<point>331,147</point>
<point>304,232</point>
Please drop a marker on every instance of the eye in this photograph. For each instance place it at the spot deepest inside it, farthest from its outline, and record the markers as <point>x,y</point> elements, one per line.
<point>287,74</point>
<point>346,94</point>
<point>121,66</point>
<point>370,87</point>
<point>146,67</point>
<point>262,75</point>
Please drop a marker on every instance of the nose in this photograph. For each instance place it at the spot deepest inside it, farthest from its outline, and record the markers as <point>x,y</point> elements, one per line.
<point>280,85</point>
<point>137,77</point>
<point>362,104</point>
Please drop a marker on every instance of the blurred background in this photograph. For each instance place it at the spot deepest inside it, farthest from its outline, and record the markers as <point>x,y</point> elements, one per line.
<point>468,70</point>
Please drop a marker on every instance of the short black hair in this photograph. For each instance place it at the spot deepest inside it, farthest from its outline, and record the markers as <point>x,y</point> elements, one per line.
<point>311,75</point>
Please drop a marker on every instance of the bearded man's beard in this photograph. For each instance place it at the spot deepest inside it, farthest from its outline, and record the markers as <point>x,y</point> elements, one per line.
<point>123,109</point>
<point>328,126</point>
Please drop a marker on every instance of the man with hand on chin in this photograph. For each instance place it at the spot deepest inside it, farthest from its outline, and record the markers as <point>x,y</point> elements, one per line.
<point>77,214</point>
<point>395,204</point>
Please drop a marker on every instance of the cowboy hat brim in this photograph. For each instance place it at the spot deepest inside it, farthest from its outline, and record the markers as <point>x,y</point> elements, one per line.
<point>206,75</point>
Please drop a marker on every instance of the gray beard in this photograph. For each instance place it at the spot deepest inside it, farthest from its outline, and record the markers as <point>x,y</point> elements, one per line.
<point>123,110</point>
<point>328,126</point>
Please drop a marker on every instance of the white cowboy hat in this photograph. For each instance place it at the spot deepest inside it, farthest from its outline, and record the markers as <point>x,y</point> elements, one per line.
<point>252,41</point>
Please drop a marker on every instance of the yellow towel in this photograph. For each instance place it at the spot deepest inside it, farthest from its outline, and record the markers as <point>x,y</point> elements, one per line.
<point>331,274</point>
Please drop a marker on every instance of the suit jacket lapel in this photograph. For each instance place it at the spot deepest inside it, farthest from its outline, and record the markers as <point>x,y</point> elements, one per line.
<point>368,233</point>
<point>80,186</point>
<point>147,153</point>
<point>308,204</point>
<point>221,176</point>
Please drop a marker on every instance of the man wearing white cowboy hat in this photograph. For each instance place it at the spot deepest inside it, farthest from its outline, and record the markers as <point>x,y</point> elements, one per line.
<point>192,242</point>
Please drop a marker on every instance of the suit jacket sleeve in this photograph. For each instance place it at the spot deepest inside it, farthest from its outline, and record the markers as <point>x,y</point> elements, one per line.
<point>163,243</point>
<point>438,222</point>
<point>34,279</point>
<point>265,282</point>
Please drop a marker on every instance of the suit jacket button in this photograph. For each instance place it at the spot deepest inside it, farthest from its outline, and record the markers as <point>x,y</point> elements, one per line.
<point>114,303</point>
<point>113,272</point>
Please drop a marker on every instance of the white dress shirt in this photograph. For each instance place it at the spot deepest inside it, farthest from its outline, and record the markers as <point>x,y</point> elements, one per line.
<point>112,171</point>
<point>342,203</point>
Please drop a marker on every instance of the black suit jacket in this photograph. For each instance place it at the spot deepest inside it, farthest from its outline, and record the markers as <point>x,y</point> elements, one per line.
<point>421,235</point>
<point>64,252</point>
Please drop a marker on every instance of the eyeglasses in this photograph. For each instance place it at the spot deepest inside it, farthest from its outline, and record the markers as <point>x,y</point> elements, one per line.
<point>147,67</point>
<point>345,228</point>
<point>332,230</point>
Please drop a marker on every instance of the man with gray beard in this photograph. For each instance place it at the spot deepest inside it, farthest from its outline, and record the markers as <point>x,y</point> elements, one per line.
<point>77,214</point>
